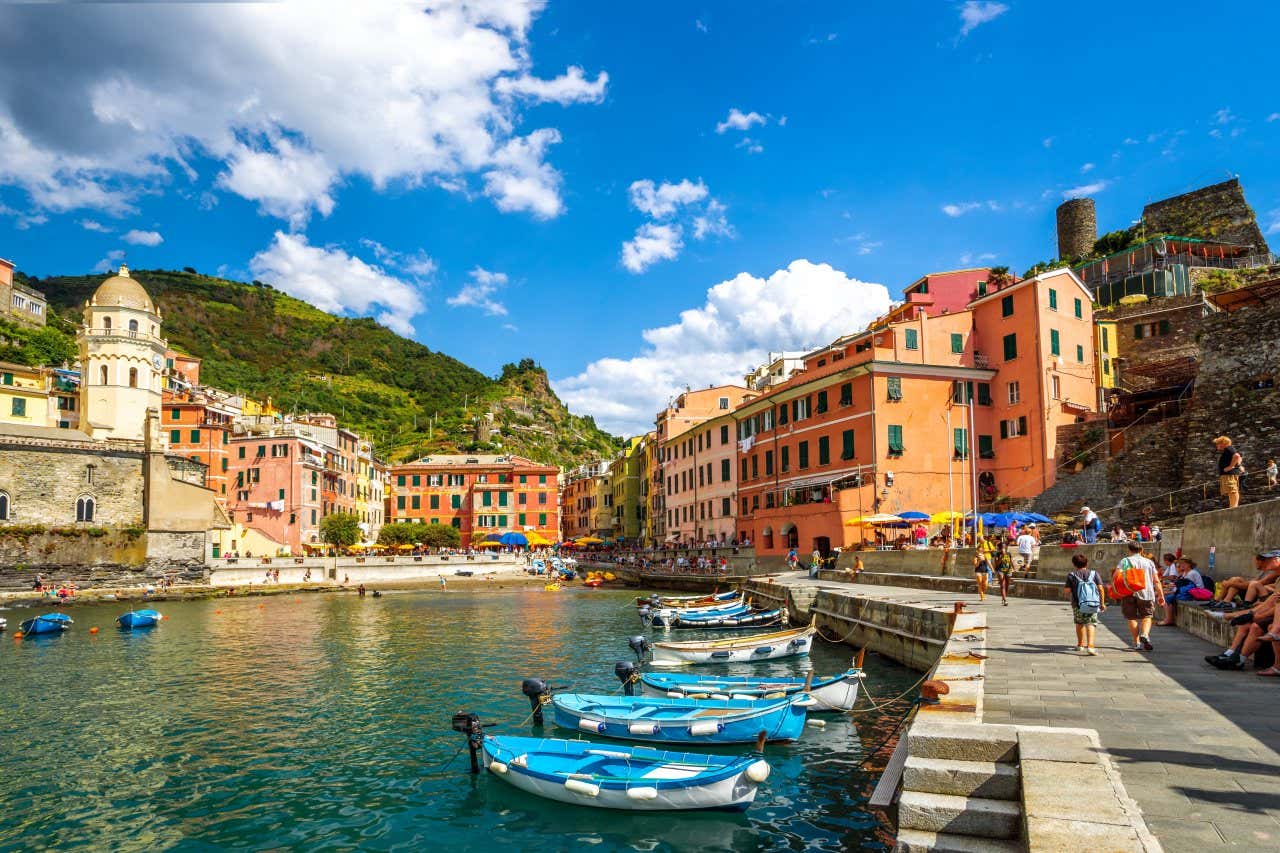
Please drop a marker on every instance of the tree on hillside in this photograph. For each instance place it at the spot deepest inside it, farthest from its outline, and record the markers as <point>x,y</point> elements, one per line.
<point>341,529</point>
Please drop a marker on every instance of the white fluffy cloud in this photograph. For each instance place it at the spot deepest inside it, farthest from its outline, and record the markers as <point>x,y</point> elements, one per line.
<point>479,293</point>
<point>975,13</point>
<point>741,321</point>
<point>671,208</point>
<point>334,281</point>
<point>142,238</point>
<point>738,120</point>
<point>288,99</point>
<point>1085,189</point>
<point>956,209</point>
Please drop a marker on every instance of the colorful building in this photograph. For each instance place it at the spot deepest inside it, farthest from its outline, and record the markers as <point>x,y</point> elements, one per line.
<point>626,473</point>
<point>19,301</point>
<point>701,483</point>
<point>196,427</point>
<point>275,485</point>
<point>581,492</point>
<point>648,458</point>
<point>920,412</point>
<point>24,395</point>
<point>477,494</point>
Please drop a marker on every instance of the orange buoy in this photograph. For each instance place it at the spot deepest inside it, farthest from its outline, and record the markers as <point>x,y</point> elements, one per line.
<point>217,611</point>
<point>93,630</point>
<point>164,618</point>
<point>260,606</point>
<point>17,635</point>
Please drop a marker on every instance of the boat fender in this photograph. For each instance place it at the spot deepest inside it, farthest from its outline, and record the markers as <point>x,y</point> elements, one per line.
<point>642,793</point>
<point>747,696</point>
<point>778,695</point>
<point>591,726</point>
<point>698,696</point>
<point>721,655</point>
<point>763,650</point>
<point>807,702</point>
<point>799,641</point>
<point>818,724</point>
<point>580,787</point>
<point>643,729</point>
<point>498,767</point>
<point>723,696</point>
<point>758,771</point>
<point>674,694</point>
<point>607,753</point>
<point>707,728</point>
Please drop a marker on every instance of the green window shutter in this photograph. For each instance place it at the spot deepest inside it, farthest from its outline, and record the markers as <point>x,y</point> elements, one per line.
<point>486,498</point>
<point>802,453</point>
<point>895,387</point>
<point>1006,306</point>
<point>175,437</point>
<point>542,519</point>
<point>502,521</point>
<point>822,401</point>
<point>282,494</point>
<point>895,439</point>
<point>1010,347</point>
<point>455,501</point>
<point>416,502</point>
<point>982,288</point>
<point>195,436</point>
<point>1053,299</point>
<point>961,437</point>
<point>174,414</point>
<point>455,522</point>
<point>1004,429</point>
<point>824,450</point>
<point>1164,327</point>
<point>435,501</point>
<point>523,479</point>
<point>19,407</point>
<point>1137,331</point>
<point>1079,310</point>
<point>986,447</point>
<point>1055,343</point>
<point>957,342</point>
<point>913,339</point>
<point>1022,425</point>
<point>786,459</point>
<point>417,480</point>
<point>400,480</point>
<point>520,519</point>
<point>984,394</point>
<point>846,444</point>
<point>1079,353</point>
<point>542,479</point>
<point>224,464</point>
<point>399,501</point>
<point>242,456</point>
<point>502,498</point>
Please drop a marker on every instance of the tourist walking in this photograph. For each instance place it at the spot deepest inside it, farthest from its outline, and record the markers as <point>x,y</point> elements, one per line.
<point>982,571</point>
<point>1230,470</point>
<point>1088,599</point>
<point>1090,524</point>
<point>1273,474</point>
<point>1026,547</point>
<point>1137,584</point>
<point>1003,564</point>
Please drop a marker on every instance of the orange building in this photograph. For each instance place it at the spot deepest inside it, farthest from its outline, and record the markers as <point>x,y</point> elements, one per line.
<point>477,494</point>
<point>701,505</point>
<point>888,420</point>
<point>198,429</point>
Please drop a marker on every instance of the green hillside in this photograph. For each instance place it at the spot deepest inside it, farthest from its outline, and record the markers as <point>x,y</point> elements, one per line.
<point>409,399</point>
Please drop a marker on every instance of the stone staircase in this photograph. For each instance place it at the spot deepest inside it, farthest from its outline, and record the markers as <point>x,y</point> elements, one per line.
<point>1073,490</point>
<point>961,791</point>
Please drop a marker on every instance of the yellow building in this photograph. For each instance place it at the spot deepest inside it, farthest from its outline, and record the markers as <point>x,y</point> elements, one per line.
<point>624,484</point>
<point>1105,352</point>
<point>24,395</point>
<point>648,456</point>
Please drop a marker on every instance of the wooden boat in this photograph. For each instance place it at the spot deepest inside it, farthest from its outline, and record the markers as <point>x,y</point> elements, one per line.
<point>683,720</point>
<point>138,619</point>
<point>685,600</point>
<point>780,644</point>
<point>49,623</point>
<point>748,619</point>
<point>632,778</point>
<point>3,624</point>
<point>659,618</point>
<point>838,693</point>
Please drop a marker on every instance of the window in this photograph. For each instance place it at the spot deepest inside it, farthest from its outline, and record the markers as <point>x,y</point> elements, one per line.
<point>895,387</point>
<point>961,438</point>
<point>1015,393</point>
<point>802,454</point>
<point>755,465</point>
<point>1013,427</point>
<point>846,394</point>
<point>542,498</point>
<point>103,375</point>
<point>522,499</point>
<point>824,450</point>
<point>175,437</point>
<point>822,401</point>
<point>1006,306</point>
<point>984,394</point>
<point>281,494</point>
<point>957,342</point>
<point>520,519</point>
<point>175,414</point>
<point>725,507</point>
<point>1106,343</point>
<point>986,448</point>
<point>417,480</point>
<point>1150,330</point>
<point>1079,310</point>
<point>768,463</point>
<point>455,522</point>
<point>982,288</point>
<point>400,480</point>
<point>800,408</point>
<point>106,323</point>
<point>435,502</point>
<point>846,444</point>
<point>895,440</point>
<point>4,506</point>
<point>782,414</point>
<point>1010,347</point>
<point>502,498</point>
<point>133,377</point>
<point>1053,299</point>
<point>724,434</point>
<point>726,470</point>
<point>195,436</point>
<point>1055,387</point>
<point>912,338</point>
<point>84,508</point>
<point>486,499</point>
<point>1055,343</point>
<point>785,459</point>
<point>961,392</point>
<point>542,519</point>
<point>133,325</point>
<point>1106,366</point>
<point>455,501</point>
<point>1080,353</point>
<point>724,403</point>
<point>542,479</point>
<point>743,474</point>
<point>19,407</point>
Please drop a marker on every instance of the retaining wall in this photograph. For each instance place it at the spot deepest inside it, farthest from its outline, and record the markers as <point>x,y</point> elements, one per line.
<point>245,571</point>
<point>1236,534</point>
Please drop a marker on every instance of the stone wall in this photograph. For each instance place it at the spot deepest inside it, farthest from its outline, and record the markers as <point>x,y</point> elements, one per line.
<point>1234,534</point>
<point>90,557</point>
<point>45,480</point>
<point>1217,212</point>
<point>1185,317</point>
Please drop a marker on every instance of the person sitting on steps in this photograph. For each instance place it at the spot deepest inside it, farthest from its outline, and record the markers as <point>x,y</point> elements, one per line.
<point>1267,564</point>
<point>1247,645</point>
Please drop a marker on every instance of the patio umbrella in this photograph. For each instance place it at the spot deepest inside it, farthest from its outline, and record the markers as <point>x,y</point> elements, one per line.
<point>945,517</point>
<point>590,540</point>
<point>912,515</point>
<point>873,520</point>
<point>513,538</point>
<point>493,537</point>
<point>536,539</point>
<point>1029,517</point>
<point>490,543</point>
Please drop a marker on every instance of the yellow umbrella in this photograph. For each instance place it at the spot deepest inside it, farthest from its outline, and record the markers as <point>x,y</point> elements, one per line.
<point>945,517</point>
<point>490,544</point>
<point>872,520</point>
<point>536,539</point>
<point>590,540</point>
<point>405,547</point>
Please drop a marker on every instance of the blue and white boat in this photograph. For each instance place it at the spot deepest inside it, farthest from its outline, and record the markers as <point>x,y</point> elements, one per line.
<point>719,608</point>
<point>838,693</point>
<point>655,600</point>
<point>712,621</point>
<point>665,617</point>
<point>139,619</point>
<point>49,623</point>
<point>669,720</point>
<point>779,644</point>
<point>623,777</point>
<point>539,567</point>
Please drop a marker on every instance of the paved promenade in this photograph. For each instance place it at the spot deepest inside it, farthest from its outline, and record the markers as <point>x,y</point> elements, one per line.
<point>1198,749</point>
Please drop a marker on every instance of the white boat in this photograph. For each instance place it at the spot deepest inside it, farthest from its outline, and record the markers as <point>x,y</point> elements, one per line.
<point>780,644</point>
<point>622,777</point>
<point>837,693</point>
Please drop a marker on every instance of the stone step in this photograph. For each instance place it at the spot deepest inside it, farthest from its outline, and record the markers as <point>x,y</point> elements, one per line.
<point>920,841</point>
<point>960,742</point>
<point>993,780</point>
<point>975,816</point>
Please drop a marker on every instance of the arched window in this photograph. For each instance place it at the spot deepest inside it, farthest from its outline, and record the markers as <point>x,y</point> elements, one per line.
<point>103,374</point>
<point>84,508</point>
<point>106,323</point>
<point>133,325</point>
<point>133,377</point>
<point>4,506</point>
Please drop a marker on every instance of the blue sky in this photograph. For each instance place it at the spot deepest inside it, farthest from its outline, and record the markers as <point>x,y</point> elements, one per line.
<point>470,174</point>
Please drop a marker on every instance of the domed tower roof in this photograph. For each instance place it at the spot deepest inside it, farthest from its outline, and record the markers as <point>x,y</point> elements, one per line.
<point>121,290</point>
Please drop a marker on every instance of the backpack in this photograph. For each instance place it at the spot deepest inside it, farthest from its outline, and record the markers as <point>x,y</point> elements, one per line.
<point>1096,525</point>
<point>1209,584</point>
<point>1127,579</point>
<point>1088,594</point>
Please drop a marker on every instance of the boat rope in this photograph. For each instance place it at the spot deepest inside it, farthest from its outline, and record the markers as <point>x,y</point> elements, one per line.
<point>818,629</point>
<point>861,764</point>
<point>885,704</point>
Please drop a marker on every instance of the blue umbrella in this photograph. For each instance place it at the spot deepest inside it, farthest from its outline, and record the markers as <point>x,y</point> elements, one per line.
<point>1027,517</point>
<point>911,515</point>
<point>513,539</point>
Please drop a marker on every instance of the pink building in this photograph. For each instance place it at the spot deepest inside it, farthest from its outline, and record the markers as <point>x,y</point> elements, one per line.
<point>701,482</point>
<point>276,483</point>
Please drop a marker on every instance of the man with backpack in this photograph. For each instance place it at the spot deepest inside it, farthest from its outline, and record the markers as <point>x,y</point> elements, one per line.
<point>1088,599</point>
<point>1136,583</point>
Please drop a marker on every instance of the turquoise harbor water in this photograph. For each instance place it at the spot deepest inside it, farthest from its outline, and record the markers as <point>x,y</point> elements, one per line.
<point>321,722</point>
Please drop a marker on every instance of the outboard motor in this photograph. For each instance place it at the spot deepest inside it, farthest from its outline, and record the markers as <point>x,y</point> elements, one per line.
<point>644,612</point>
<point>539,694</point>
<point>640,646</point>
<point>627,674</point>
<point>469,724</point>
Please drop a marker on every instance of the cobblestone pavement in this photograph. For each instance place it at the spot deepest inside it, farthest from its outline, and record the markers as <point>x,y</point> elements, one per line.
<point>1198,749</point>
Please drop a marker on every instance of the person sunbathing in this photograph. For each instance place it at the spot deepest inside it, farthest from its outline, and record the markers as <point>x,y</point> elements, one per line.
<point>1267,564</point>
